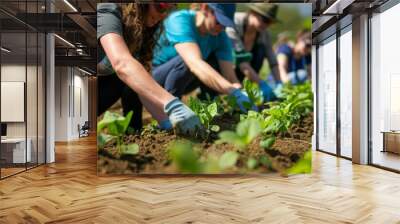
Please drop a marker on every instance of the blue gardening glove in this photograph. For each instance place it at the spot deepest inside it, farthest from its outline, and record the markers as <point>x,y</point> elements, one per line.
<point>267,91</point>
<point>242,98</point>
<point>182,118</point>
<point>278,89</point>
<point>165,125</point>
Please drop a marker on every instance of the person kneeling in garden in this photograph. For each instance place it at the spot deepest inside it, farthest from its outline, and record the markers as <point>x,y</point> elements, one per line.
<point>294,61</point>
<point>126,40</point>
<point>194,51</point>
<point>252,44</point>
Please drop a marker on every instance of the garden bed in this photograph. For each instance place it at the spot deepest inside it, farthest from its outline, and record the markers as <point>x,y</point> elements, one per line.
<point>153,154</point>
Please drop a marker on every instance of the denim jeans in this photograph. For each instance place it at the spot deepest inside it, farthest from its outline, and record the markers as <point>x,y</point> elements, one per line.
<point>175,77</point>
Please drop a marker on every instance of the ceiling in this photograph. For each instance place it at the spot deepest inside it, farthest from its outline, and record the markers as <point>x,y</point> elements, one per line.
<point>72,20</point>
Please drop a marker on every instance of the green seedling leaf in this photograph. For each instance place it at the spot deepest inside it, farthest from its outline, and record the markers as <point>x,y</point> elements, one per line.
<point>215,128</point>
<point>131,149</point>
<point>232,138</point>
<point>247,105</point>
<point>248,129</point>
<point>267,143</point>
<point>115,123</point>
<point>304,165</point>
<point>103,139</point>
<point>212,109</point>
<point>252,163</point>
<point>211,165</point>
<point>265,161</point>
<point>185,157</point>
<point>228,159</point>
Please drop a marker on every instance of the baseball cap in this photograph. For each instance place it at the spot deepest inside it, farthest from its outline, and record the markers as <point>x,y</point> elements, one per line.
<point>224,13</point>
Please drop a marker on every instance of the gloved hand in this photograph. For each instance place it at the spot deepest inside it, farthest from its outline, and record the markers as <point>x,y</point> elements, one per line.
<point>278,89</point>
<point>267,91</point>
<point>165,125</point>
<point>242,98</point>
<point>182,118</point>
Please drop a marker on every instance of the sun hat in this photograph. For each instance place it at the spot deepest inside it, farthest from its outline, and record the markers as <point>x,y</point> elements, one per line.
<point>266,10</point>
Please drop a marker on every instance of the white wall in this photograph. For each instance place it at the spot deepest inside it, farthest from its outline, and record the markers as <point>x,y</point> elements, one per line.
<point>71,94</point>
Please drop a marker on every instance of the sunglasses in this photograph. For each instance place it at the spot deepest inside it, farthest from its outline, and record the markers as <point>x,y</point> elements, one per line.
<point>164,7</point>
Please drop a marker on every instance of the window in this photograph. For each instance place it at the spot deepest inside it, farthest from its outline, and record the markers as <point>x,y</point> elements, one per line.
<point>385,88</point>
<point>346,92</point>
<point>327,95</point>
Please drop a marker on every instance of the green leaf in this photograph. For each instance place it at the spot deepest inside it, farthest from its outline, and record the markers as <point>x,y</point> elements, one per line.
<point>228,159</point>
<point>184,157</point>
<point>115,123</point>
<point>212,109</point>
<point>124,123</point>
<point>267,143</point>
<point>215,128</point>
<point>247,105</point>
<point>265,161</point>
<point>304,165</point>
<point>211,165</point>
<point>102,139</point>
<point>254,130</point>
<point>251,163</point>
<point>131,149</point>
<point>232,138</point>
<point>108,118</point>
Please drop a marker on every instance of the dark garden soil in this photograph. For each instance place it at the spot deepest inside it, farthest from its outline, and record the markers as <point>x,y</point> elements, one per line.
<point>153,157</point>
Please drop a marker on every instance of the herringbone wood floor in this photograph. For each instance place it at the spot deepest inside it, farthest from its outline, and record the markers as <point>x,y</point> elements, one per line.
<point>70,192</point>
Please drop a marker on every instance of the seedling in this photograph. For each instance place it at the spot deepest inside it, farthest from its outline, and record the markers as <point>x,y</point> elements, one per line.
<point>113,126</point>
<point>246,131</point>
<point>255,115</point>
<point>253,92</point>
<point>252,163</point>
<point>206,112</point>
<point>304,165</point>
<point>278,121</point>
<point>268,142</point>
<point>228,160</point>
<point>185,157</point>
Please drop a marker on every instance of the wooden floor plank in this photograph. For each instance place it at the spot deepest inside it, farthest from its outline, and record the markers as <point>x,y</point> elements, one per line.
<point>69,191</point>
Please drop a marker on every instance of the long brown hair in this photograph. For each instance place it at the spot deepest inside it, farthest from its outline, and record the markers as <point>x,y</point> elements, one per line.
<point>140,39</point>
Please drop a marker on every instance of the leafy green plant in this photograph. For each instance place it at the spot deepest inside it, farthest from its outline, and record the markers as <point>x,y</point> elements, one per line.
<point>113,126</point>
<point>278,119</point>
<point>187,160</point>
<point>206,112</point>
<point>246,131</point>
<point>253,92</point>
<point>268,142</point>
<point>304,165</point>
<point>228,159</point>
<point>185,157</point>
<point>251,114</point>
<point>252,163</point>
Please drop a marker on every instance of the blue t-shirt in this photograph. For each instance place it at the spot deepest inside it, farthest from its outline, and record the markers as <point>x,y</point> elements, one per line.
<point>180,27</point>
<point>293,63</point>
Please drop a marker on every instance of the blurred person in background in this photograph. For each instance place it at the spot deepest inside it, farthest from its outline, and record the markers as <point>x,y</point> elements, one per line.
<point>126,37</point>
<point>194,51</point>
<point>252,44</point>
<point>294,61</point>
